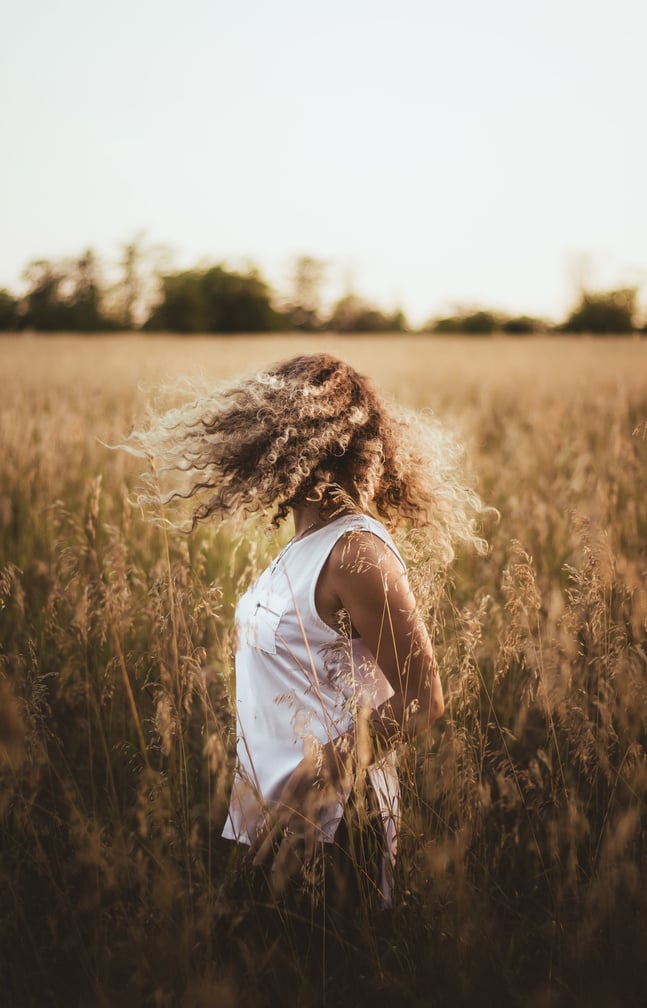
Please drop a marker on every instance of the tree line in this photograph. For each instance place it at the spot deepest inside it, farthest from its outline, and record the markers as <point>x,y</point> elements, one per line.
<point>73,295</point>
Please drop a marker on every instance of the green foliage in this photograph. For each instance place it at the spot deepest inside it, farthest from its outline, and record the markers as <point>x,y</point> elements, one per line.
<point>522,325</point>
<point>610,312</point>
<point>478,323</point>
<point>304,308</point>
<point>132,296</point>
<point>8,311</point>
<point>46,306</point>
<point>352,314</point>
<point>65,296</point>
<point>182,308</point>
<point>127,292</point>
<point>85,301</point>
<point>214,300</point>
<point>72,295</point>
<point>485,323</point>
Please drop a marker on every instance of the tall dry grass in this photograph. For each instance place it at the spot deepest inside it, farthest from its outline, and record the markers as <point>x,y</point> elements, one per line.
<point>522,875</point>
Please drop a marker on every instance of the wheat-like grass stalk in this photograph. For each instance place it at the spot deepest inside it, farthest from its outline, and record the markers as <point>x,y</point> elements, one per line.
<point>521,871</point>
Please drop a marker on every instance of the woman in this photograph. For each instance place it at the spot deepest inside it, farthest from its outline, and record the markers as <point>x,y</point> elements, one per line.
<point>334,666</point>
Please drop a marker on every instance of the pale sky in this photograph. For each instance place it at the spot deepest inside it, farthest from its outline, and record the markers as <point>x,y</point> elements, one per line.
<point>434,153</point>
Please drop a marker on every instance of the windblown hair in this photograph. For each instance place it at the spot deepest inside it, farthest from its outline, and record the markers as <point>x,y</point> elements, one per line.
<point>310,430</point>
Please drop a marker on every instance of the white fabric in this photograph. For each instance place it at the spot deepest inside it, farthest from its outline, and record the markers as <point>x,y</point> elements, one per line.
<point>298,680</point>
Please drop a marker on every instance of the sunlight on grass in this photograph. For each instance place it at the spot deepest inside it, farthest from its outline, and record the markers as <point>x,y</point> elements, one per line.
<point>521,875</point>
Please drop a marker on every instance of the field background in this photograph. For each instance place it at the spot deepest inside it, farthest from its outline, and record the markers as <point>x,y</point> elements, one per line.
<point>522,874</point>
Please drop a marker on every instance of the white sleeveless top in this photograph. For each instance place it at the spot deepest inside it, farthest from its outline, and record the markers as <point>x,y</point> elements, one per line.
<point>298,680</point>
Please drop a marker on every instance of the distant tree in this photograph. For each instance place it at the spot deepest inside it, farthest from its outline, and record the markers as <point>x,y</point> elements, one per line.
<point>131,299</point>
<point>304,306</point>
<point>130,284</point>
<point>351,314</point>
<point>182,307</point>
<point>65,295</point>
<point>238,302</point>
<point>449,324</point>
<point>477,323</point>
<point>612,312</point>
<point>215,300</point>
<point>85,300</point>
<point>397,321</point>
<point>46,304</point>
<point>481,322</point>
<point>9,318</point>
<point>523,325</point>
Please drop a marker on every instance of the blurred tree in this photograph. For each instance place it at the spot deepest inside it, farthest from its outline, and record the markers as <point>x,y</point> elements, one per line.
<point>132,298</point>
<point>182,307</point>
<point>237,302</point>
<point>65,295</point>
<point>130,285</point>
<point>481,322</point>
<point>9,318</point>
<point>612,312</point>
<point>85,300</point>
<point>215,300</point>
<point>304,309</point>
<point>46,305</point>
<point>475,323</point>
<point>352,314</point>
<point>523,325</point>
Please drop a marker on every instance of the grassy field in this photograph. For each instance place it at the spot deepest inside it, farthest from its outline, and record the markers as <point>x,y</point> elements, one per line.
<point>522,875</point>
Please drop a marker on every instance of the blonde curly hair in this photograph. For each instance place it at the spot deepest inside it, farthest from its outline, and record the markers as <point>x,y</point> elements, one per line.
<point>310,430</point>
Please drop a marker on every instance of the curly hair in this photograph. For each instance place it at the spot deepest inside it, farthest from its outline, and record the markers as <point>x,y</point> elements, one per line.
<point>311,430</point>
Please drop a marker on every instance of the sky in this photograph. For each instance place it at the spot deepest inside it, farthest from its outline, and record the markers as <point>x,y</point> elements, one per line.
<point>435,155</point>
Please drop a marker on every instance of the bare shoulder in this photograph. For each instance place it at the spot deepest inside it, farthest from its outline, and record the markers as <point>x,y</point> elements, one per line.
<point>361,554</point>
<point>361,574</point>
<point>359,567</point>
<point>366,578</point>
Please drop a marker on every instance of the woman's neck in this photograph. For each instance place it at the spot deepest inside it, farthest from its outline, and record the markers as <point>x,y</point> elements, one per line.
<point>308,517</point>
<point>305,518</point>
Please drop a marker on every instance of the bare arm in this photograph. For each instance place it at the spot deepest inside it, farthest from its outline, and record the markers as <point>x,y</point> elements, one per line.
<point>374,590</point>
<point>371,586</point>
<point>365,579</point>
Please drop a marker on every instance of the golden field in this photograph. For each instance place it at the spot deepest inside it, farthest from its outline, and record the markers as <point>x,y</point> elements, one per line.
<point>522,875</point>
